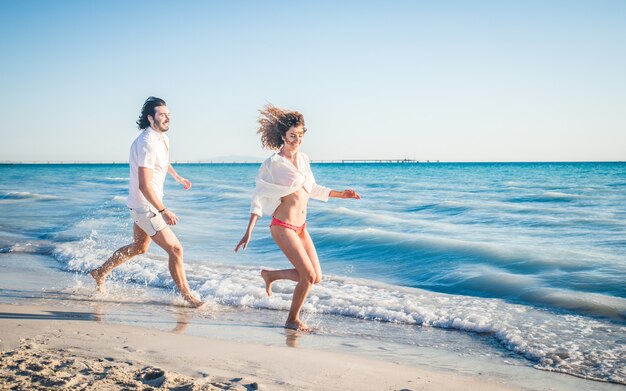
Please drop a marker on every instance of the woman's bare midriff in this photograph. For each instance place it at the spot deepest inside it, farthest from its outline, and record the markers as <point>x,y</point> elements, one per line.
<point>292,208</point>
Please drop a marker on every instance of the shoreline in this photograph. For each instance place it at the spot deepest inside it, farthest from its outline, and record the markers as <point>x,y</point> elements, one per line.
<point>45,337</point>
<point>76,323</point>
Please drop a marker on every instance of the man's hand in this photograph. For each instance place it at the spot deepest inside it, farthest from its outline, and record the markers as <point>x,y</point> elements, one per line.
<point>169,217</point>
<point>184,181</point>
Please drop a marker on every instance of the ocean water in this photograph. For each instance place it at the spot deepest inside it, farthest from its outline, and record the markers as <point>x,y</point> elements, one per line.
<point>532,255</point>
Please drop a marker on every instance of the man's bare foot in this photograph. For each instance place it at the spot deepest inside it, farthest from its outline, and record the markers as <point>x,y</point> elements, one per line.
<point>268,283</point>
<point>298,326</point>
<point>99,280</point>
<point>195,303</point>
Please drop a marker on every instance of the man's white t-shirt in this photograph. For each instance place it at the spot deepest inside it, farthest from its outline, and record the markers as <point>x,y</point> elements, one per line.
<point>151,150</point>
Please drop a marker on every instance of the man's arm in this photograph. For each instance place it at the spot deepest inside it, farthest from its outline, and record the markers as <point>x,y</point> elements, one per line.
<point>183,181</point>
<point>145,180</point>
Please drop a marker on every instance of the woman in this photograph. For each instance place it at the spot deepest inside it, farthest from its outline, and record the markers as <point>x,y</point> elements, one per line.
<point>283,188</point>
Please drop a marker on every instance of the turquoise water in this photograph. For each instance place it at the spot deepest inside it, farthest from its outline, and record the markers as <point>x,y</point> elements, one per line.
<point>531,253</point>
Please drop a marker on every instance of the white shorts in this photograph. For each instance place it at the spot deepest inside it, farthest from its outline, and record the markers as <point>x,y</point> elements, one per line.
<point>148,219</point>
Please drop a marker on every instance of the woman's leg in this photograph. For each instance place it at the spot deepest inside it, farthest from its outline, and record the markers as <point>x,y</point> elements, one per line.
<point>269,276</point>
<point>307,242</point>
<point>291,245</point>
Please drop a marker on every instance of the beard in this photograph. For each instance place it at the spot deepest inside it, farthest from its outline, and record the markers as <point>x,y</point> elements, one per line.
<point>163,127</point>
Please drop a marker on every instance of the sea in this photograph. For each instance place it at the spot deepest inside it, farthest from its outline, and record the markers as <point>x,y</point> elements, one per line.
<point>529,258</point>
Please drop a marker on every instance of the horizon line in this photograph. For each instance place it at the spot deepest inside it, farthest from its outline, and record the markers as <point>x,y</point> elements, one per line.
<point>328,161</point>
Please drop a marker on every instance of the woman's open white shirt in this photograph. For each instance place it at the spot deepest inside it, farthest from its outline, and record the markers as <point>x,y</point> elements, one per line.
<point>279,177</point>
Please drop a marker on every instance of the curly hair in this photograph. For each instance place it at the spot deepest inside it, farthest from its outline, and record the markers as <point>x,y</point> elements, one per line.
<point>274,123</point>
<point>148,108</point>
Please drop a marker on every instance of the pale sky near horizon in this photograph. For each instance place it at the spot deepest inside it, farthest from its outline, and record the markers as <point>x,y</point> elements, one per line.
<point>445,80</point>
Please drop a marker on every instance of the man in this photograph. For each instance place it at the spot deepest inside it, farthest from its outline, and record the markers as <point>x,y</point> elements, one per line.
<point>149,164</point>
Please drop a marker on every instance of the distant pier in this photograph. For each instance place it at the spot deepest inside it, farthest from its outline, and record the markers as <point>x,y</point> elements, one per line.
<point>372,161</point>
<point>380,161</point>
<point>234,161</point>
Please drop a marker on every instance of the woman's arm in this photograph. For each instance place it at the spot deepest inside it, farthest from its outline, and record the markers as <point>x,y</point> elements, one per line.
<point>323,193</point>
<point>246,237</point>
<point>256,209</point>
<point>348,193</point>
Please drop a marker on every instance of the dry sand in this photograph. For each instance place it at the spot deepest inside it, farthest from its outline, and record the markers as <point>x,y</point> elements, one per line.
<point>51,348</point>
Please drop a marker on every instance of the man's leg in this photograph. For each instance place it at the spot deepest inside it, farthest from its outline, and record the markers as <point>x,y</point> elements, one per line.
<point>140,244</point>
<point>167,240</point>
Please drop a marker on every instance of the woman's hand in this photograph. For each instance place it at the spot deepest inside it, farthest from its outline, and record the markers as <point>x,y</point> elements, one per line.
<point>243,242</point>
<point>349,193</point>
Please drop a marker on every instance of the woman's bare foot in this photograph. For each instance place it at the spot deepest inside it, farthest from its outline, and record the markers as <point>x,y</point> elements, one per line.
<point>99,280</point>
<point>268,282</point>
<point>298,326</point>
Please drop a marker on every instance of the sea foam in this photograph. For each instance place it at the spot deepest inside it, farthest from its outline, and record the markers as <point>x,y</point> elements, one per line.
<point>590,349</point>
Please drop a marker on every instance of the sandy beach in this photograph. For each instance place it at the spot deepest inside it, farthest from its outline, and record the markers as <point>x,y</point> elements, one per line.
<point>56,332</point>
<point>47,347</point>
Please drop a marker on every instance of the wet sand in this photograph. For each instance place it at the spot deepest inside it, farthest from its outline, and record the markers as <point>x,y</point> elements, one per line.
<point>46,347</point>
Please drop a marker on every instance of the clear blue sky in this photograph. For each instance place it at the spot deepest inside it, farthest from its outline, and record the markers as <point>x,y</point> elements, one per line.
<point>448,80</point>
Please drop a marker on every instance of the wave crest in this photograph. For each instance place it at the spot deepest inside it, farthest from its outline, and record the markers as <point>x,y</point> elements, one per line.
<point>591,349</point>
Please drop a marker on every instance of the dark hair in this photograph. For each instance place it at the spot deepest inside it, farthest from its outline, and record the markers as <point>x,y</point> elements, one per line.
<point>148,108</point>
<point>274,123</point>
